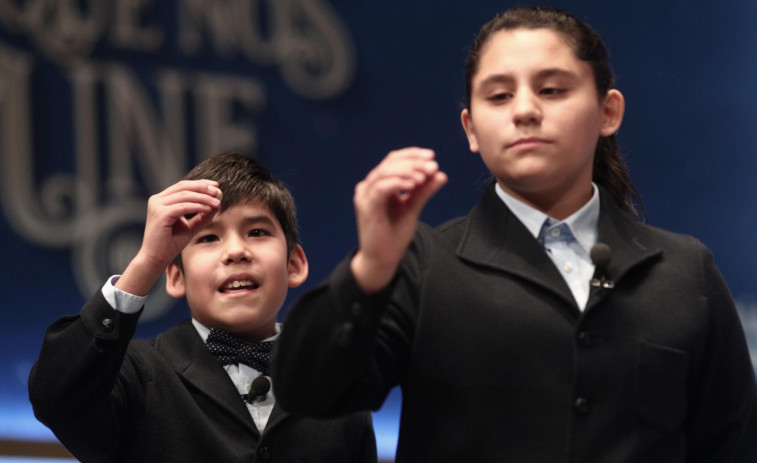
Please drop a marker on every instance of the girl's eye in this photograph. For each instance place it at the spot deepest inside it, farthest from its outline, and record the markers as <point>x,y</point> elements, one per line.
<point>498,97</point>
<point>207,238</point>
<point>550,91</point>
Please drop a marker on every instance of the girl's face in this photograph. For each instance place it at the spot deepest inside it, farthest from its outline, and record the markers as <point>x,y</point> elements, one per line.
<point>535,118</point>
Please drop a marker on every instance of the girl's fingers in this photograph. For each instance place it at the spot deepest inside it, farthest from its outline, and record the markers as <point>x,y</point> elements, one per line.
<point>409,168</point>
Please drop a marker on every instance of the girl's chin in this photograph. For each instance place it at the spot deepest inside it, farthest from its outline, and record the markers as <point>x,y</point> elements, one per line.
<point>525,180</point>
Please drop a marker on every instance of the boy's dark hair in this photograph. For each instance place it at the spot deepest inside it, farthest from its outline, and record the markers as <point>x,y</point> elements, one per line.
<point>242,179</point>
<point>610,171</point>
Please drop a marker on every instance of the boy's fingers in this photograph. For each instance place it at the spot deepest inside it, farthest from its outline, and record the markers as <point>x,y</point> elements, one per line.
<point>201,186</point>
<point>197,220</point>
<point>219,197</point>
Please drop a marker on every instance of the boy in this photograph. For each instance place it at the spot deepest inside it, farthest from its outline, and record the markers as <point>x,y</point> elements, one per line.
<point>226,238</point>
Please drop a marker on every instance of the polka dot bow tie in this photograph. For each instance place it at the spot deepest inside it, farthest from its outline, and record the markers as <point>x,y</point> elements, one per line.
<point>229,349</point>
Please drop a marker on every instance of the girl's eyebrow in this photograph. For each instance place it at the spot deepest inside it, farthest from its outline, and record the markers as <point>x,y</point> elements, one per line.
<point>556,72</point>
<point>507,78</point>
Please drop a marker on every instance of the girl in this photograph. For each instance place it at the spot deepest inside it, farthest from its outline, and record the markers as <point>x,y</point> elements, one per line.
<point>547,325</point>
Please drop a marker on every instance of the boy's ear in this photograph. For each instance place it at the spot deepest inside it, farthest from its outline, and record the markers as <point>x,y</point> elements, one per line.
<point>614,107</point>
<point>175,286</point>
<point>298,267</point>
<point>470,132</point>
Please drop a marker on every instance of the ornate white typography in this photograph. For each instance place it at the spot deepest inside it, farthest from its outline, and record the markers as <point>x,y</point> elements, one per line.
<point>130,124</point>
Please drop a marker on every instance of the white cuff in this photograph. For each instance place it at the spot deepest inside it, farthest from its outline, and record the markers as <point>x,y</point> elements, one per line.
<point>121,300</point>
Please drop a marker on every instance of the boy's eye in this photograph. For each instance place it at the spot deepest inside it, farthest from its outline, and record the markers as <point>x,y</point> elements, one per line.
<point>258,232</point>
<point>207,238</point>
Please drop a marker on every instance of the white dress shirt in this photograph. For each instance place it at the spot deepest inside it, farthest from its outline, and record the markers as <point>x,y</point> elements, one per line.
<point>567,242</point>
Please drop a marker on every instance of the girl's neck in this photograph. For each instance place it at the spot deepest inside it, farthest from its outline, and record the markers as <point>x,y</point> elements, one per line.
<point>558,203</point>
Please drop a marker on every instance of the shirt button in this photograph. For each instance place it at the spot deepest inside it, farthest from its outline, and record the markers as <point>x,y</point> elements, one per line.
<point>568,267</point>
<point>581,405</point>
<point>555,232</point>
<point>107,324</point>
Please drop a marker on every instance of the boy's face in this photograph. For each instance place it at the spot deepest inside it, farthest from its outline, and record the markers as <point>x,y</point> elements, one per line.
<point>236,272</point>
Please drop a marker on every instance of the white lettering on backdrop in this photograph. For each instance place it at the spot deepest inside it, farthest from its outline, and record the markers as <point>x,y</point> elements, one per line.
<point>131,124</point>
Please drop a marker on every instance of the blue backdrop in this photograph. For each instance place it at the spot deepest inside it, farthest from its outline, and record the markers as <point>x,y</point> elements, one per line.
<point>103,103</point>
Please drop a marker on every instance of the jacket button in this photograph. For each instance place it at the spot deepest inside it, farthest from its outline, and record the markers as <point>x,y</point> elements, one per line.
<point>343,334</point>
<point>357,309</point>
<point>265,455</point>
<point>107,324</point>
<point>584,339</point>
<point>581,405</point>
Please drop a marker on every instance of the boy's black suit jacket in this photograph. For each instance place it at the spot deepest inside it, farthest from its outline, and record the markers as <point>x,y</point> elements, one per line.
<point>110,398</point>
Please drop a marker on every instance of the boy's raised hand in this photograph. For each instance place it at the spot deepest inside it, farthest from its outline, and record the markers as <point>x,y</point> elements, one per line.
<point>388,204</point>
<point>173,216</point>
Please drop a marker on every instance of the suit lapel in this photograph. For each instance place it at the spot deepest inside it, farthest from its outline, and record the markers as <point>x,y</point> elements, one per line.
<point>629,242</point>
<point>277,416</point>
<point>495,238</point>
<point>184,348</point>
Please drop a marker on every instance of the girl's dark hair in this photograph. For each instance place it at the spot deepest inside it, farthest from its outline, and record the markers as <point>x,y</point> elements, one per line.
<point>610,170</point>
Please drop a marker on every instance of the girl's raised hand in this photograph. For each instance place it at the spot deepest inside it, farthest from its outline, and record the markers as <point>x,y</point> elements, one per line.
<point>388,204</point>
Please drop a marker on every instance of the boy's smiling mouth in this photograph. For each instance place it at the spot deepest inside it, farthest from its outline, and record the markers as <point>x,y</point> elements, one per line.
<point>238,284</point>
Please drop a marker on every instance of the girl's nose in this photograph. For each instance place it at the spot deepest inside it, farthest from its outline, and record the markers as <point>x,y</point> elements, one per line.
<point>526,109</point>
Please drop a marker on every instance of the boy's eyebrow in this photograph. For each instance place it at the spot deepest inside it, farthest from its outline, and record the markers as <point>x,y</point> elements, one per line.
<point>252,219</point>
<point>507,78</point>
<point>248,220</point>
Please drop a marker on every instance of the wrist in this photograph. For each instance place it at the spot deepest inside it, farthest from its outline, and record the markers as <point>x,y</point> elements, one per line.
<point>140,276</point>
<point>372,276</point>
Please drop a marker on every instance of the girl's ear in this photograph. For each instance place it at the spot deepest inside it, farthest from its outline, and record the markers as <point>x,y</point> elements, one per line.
<point>298,267</point>
<point>470,131</point>
<point>614,106</point>
<point>175,286</point>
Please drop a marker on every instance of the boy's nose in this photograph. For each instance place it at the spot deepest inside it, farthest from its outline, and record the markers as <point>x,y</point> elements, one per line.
<point>236,251</point>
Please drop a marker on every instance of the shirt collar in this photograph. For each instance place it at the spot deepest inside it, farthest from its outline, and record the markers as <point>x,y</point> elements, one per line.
<point>204,331</point>
<point>583,223</point>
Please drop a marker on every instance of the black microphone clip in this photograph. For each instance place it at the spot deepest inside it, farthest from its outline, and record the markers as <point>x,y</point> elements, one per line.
<point>600,255</point>
<point>258,390</point>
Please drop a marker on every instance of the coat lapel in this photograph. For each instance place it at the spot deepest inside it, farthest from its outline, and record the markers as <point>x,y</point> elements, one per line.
<point>495,238</point>
<point>277,416</point>
<point>184,348</point>
<point>629,243</point>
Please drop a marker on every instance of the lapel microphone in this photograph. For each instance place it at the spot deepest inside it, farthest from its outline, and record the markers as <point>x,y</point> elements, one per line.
<point>600,256</point>
<point>258,390</point>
